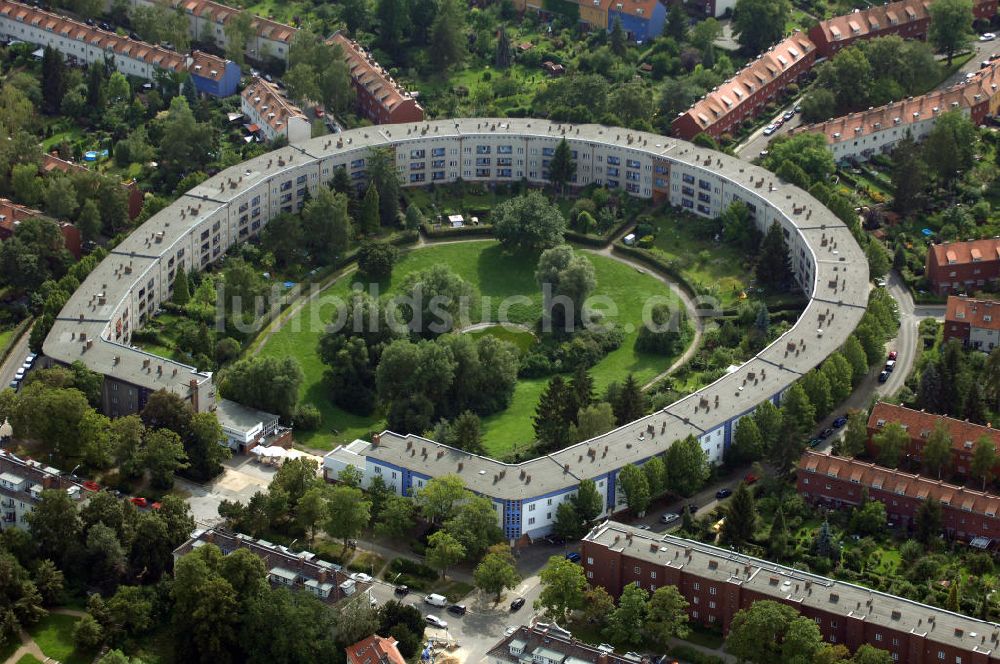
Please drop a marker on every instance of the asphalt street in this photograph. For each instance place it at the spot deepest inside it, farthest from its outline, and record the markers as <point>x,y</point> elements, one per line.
<point>15,359</point>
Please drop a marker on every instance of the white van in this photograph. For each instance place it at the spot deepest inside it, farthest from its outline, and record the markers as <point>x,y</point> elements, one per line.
<point>436,600</point>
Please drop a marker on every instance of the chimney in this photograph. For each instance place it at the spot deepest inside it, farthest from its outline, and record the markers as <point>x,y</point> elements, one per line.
<point>377,438</point>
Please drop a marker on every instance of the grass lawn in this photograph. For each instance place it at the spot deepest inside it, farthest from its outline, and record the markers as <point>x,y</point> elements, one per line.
<point>29,659</point>
<point>496,275</point>
<point>702,636</point>
<point>54,635</point>
<point>523,339</point>
<point>710,267</point>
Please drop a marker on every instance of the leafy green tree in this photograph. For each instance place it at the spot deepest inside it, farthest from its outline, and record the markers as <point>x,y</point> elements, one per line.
<point>369,211</point>
<point>758,24</point>
<point>563,585</point>
<point>163,456</point>
<point>566,278</point>
<point>392,18</point>
<point>984,460</point>
<point>951,26</point>
<point>205,446</point>
<point>817,389</point>
<point>348,513</point>
<point>448,36</point>
<point>777,540</point>
<point>909,176</point>
<point>636,488</point>
<point>867,654</point>
<point>503,56</point>
<point>439,498</point>
<point>588,501</point>
<point>265,383</point>
<point>326,226</point>
<point>890,443</point>
<point>936,453</point>
<point>630,403</point>
<point>592,421</point>
<point>475,525</point>
<point>626,622</point>
<point>774,265</point>
<point>878,257</point>
<point>687,466</point>
<point>949,148</point>
<point>311,511</point>
<point>53,80</point>
<point>397,517</point>
<point>552,418</point>
<point>182,288</point>
<point>677,23</point>
<point>496,572</point>
<point>807,150</point>
<point>568,523</point>
<point>238,30</point>
<point>656,475</point>
<point>741,517</point>
<point>748,443</point>
<point>666,615</point>
<point>869,519</point>
<point>597,605</point>
<point>529,221</point>
<point>60,198</point>
<point>444,551</point>
<point>756,633</point>
<point>856,435</point>
<point>376,259</point>
<point>928,521</point>
<point>617,38</point>
<point>562,168</point>
<point>802,642</point>
<point>768,418</point>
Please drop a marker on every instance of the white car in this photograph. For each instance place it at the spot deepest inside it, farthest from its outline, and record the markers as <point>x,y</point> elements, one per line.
<point>770,129</point>
<point>987,36</point>
<point>20,374</point>
<point>435,621</point>
<point>669,517</point>
<point>362,577</point>
<point>510,630</point>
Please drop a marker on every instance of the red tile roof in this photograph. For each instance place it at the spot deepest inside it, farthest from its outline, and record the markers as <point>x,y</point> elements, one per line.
<point>895,481</point>
<point>214,11</point>
<point>59,25</point>
<point>919,424</point>
<point>369,74</point>
<point>741,87</point>
<point>961,253</point>
<point>375,650</point>
<point>640,8</point>
<point>862,24</point>
<point>207,65</point>
<point>981,314</point>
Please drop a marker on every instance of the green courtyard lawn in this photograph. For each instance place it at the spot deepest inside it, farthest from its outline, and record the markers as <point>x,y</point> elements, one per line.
<point>496,274</point>
<point>711,268</point>
<point>54,635</point>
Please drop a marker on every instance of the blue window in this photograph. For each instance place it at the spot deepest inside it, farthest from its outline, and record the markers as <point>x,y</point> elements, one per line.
<point>704,198</point>
<point>705,184</point>
<point>482,161</point>
<point>505,149</point>
<point>661,169</point>
<point>437,175</point>
<point>482,149</point>
<point>661,182</point>
<point>416,177</point>
<point>632,175</point>
<point>482,172</point>
<point>615,161</point>
<point>417,166</point>
<point>416,154</point>
<point>357,163</point>
<point>687,203</point>
<point>687,191</point>
<point>612,184</point>
<point>688,178</point>
<point>503,172</point>
<point>437,163</point>
<point>631,187</point>
<point>504,161</point>
<point>437,152</point>
<point>704,209</point>
<point>612,171</point>
<point>548,152</point>
<point>632,163</point>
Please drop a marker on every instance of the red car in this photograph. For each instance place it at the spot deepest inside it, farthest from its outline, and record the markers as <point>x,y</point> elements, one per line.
<point>892,355</point>
<point>749,478</point>
<point>91,486</point>
<point>156,506</point>
<point>139,501</point>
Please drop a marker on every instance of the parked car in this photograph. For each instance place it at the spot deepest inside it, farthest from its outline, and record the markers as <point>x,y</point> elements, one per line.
<point>457,609</point>
<point>362,577</point>
<point>402,591</point>
<point>750,478</point>
<point>723,493</point>
<point>573,557</point>
<point>839,422</point>
<point>669,517</point>
<point>139,501</point>
<point>893,355</point>
<point>434,621</point>
<point>644,526</point>
<point>517,604</point>
<point>436,600</point>
<point>827,432</point>
<point>14,384</point>
<point>770,129</point>
<point>815,442</point>
<point>890,365</point>
<point>29,360</point>
<point>20,374</point>
<point>788,115</point>
<point>884,376</point>
<point>692,508</point>
<point>987,36</point>
<point>510,630</point>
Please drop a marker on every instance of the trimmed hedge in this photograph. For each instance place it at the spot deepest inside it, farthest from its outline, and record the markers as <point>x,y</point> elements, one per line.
<point>434,233</point>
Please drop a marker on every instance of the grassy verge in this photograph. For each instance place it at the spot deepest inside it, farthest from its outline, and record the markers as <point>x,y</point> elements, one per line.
<point>54,635</point>
<point>29,659</point>
<point>496,275</point>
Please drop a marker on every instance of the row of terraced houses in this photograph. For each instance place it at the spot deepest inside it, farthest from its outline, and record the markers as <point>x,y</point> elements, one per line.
<point>859,135</point>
